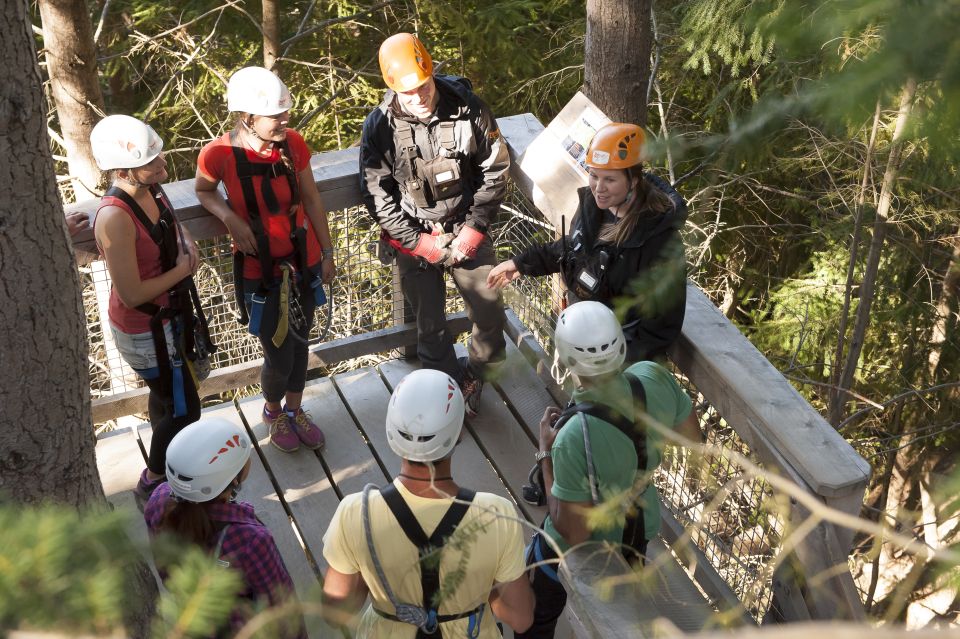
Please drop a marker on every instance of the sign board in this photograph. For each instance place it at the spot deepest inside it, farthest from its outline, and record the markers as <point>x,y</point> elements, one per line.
<point>554,161</point>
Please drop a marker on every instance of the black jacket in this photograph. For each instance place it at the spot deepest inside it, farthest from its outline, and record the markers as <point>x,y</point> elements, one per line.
<point>648,271</point>
<point>481,152</point>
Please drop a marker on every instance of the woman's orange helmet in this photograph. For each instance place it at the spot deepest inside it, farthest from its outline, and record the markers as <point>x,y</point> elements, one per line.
<point>404,62</point>
<point>616,146</point>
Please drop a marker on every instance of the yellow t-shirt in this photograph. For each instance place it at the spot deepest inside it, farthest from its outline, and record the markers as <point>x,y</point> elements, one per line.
<point>486,548</point>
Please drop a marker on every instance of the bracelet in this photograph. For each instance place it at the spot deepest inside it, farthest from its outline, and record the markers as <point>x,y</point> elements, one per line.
<point>541,455</point>
<point>327,253</point>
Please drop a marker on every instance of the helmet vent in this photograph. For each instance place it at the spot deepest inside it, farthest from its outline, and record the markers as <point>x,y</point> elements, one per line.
<point>420,439</point>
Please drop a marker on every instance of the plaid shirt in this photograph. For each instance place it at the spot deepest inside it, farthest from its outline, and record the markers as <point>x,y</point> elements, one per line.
<point>248,546</point>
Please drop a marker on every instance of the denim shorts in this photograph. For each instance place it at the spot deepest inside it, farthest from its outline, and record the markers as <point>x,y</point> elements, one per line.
<point>138,351</point>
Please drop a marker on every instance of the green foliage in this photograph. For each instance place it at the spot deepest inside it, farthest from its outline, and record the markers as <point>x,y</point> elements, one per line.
<point>718,28</point>
<point>62,571</point>
<point>866,51</point>
<point>75,573</point>
<point>200,598</point>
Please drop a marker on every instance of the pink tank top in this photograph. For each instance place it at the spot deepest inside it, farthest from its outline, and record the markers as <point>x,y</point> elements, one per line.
<point>130,320</point>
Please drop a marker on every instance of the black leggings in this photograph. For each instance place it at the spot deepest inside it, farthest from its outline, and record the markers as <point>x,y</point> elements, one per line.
<point>284,369</point>
<point>164,424</point>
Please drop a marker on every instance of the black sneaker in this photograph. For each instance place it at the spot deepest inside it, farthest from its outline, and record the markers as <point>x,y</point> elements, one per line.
<point>145,488</point>
<point>471,386</point>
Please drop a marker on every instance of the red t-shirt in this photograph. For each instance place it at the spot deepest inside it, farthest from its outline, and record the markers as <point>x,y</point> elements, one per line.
<point>216,161</point>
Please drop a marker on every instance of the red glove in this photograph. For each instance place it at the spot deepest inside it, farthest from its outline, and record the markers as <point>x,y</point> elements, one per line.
<point>468,241</point>
<point>432,248</point>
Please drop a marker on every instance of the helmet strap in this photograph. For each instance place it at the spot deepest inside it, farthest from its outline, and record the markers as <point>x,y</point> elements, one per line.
<point>249,129</point>
<point>129,180</point>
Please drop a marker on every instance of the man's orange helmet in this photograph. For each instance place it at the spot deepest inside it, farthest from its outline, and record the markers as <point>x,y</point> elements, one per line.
<point>616,146</point>
<point>404,62</point>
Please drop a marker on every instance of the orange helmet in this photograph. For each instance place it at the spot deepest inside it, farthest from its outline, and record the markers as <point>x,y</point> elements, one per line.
<point>404,62</point>
<point>615,146</point>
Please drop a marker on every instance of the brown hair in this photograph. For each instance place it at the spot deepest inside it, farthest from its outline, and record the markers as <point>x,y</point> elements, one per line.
<point>189,520</point>
<point>647,200</point>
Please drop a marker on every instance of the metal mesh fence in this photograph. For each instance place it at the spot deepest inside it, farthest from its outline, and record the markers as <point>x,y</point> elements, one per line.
<point>732,517</point>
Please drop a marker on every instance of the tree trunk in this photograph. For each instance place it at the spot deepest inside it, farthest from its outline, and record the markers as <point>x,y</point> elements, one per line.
<point>46,437</point>
<point>949,293</point>
<point>876,244</point>
<point>270,23</point>
<point>72,67</point>
<point>837,396</point>
<point>617,58</point>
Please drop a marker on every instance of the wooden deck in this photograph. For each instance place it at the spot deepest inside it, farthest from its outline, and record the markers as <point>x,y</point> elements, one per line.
<point>297,494</point>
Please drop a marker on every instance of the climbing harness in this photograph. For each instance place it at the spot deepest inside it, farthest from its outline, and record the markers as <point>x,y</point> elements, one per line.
<point>296,278</point>
<point>534,493</point>
<point>193,345</point>
<point>425,616</point>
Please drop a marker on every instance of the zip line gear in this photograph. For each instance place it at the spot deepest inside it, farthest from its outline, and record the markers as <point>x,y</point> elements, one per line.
<point>193,345</point>
<point>616,146</point>
<point>296,277</point>
<point>468,241</point>
<point>429,181</point>
<point>534,492</point>
<point>205,457</point>
<point>404,62</point>
<point>425,416</point>
<point>425,616</point>
<point>123,142</point>
<point>257,91</point>
<point>589,339</point>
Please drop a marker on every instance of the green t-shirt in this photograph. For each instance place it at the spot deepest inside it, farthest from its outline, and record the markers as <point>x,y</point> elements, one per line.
<point>614,456</point>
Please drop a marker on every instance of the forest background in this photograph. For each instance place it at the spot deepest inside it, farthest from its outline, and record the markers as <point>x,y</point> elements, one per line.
<point>816,143</point>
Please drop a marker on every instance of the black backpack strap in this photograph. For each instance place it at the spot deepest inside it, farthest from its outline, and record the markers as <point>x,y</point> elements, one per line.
<point>429,570</point>
<point>446,136</point>
<point>407,151</point>
<point>634,532</point>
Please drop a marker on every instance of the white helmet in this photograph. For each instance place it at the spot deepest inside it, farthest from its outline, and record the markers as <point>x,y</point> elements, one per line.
<point>589,339</point>
<point>425,416</point>
<point>257,91</point>
<point>205,457</point>
<point>122,142</point>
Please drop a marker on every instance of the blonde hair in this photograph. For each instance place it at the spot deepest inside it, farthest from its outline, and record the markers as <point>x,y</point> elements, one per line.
<point>647,200</point>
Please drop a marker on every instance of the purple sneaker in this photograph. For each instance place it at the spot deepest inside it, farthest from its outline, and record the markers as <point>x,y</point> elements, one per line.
<point>309,433</point>
<point>145,488</point>
<point>281,434</point>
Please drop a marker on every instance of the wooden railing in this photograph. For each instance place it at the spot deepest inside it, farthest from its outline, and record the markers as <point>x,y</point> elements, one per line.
<point>787,435</point>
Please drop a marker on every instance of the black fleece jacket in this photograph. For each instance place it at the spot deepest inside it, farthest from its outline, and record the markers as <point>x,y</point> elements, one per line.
<point>482,154</point>
<point>646,276</point>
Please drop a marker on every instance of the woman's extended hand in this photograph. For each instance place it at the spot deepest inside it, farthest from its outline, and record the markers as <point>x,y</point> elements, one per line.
<point>502,274</point>
<point>242,234</point>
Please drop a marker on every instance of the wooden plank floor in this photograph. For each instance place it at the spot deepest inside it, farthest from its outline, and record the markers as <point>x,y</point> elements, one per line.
<point>296,494</point>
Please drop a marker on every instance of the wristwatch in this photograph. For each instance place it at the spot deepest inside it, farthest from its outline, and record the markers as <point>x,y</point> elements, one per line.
<point>541,455</point>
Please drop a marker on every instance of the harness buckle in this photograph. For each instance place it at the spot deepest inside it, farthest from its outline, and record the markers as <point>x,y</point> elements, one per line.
<point>431,624</point>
